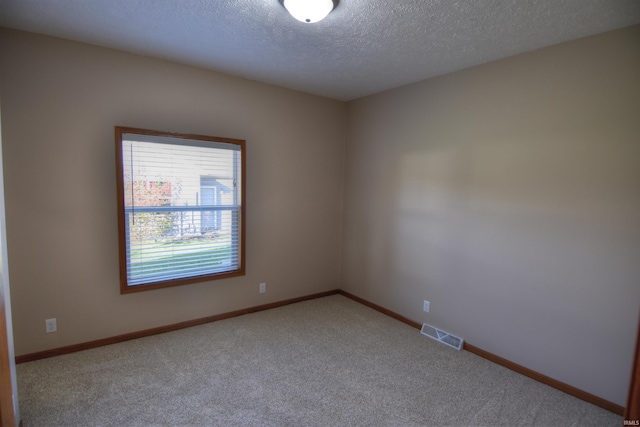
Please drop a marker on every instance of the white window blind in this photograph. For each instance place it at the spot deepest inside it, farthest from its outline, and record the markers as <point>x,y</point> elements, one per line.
<point>182,208</point>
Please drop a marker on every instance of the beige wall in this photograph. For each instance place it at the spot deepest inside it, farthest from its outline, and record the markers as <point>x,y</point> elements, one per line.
<point>61,101</point>
<point>509,196</point>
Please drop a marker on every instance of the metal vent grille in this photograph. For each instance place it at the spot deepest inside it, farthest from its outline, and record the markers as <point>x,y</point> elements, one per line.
<point>442,336</point>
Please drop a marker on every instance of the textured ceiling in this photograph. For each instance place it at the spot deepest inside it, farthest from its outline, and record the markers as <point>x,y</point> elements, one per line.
<point>362,47</point>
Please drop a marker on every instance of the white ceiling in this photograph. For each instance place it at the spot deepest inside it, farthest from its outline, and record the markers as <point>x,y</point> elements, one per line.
<point>362,47</point>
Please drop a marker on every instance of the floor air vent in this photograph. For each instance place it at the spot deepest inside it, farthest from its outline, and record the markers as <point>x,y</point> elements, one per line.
<point>442,336</point>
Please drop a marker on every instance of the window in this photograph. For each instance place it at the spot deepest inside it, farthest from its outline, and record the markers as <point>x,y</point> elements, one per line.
<point>180,208</point>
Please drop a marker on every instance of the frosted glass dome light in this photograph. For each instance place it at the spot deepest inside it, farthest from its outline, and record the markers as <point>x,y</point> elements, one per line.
<point>309,11</point>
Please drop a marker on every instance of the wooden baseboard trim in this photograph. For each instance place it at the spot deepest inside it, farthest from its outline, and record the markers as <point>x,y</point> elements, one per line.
<point>380,309</point>
<point>162,329</point>
<point>580,394</point>
<point>576,392</point>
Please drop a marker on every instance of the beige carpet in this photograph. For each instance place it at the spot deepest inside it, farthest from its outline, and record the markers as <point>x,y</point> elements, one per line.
<point>325,362</point>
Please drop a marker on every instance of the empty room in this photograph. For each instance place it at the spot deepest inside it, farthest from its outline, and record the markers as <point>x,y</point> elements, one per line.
<point>251,213</point>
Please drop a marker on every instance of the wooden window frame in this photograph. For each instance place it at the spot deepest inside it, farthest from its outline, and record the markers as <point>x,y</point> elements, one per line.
<point>125,287</point>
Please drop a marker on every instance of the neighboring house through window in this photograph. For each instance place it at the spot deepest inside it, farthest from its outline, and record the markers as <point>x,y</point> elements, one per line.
<point>212,193</point>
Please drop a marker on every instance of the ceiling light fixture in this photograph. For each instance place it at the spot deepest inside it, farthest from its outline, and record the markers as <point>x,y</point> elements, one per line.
<point>309,11</point>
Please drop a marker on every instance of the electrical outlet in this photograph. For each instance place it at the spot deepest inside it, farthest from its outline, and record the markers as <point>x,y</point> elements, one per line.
<point>50,325</point>
<point>426,306</point>
<point>263,288</point>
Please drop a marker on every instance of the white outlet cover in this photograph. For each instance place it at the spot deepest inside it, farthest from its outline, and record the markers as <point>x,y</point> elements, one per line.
<point>50,325</point>
<point>426,306</point>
